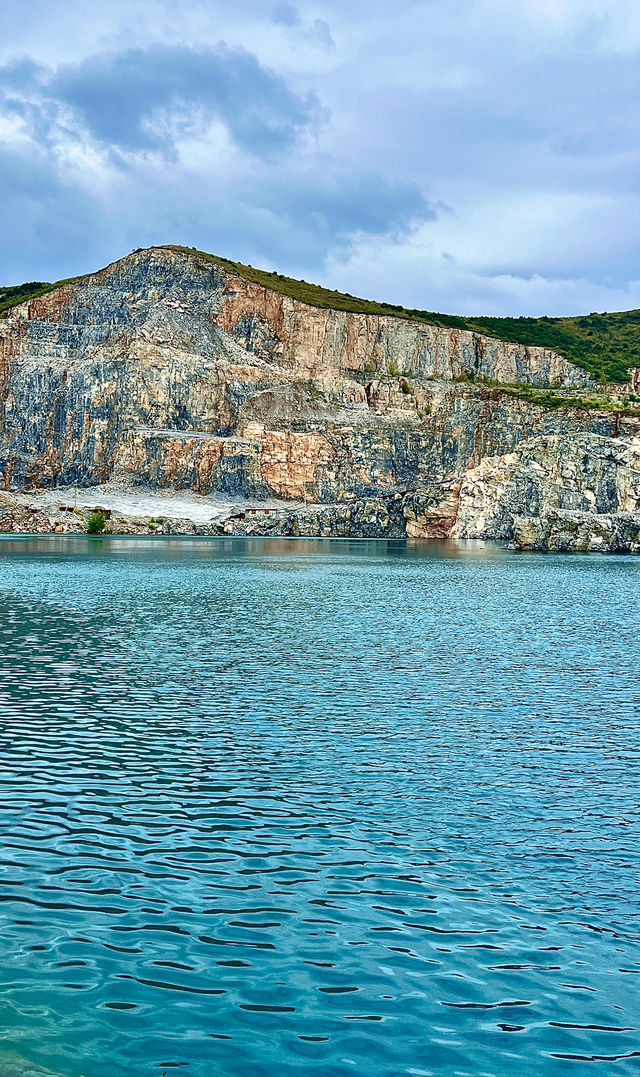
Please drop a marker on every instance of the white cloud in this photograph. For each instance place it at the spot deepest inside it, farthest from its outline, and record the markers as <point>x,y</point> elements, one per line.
<point>547,231</point>
<point>407,274</point>
<point>518,119</point>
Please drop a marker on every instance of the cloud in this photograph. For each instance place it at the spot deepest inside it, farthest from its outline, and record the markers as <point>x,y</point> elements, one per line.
<point>482,155</point>
<point>286,15</point>
<point>204,145</point>
<point>339,206</point>
<point>142,99</point>
<point>119,95</point>
<point>42,215</point>
<point>409,274</point>
<point>288,222</point>
<point>314,32</point>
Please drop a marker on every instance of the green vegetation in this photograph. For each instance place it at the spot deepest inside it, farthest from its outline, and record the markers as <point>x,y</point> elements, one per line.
<point>313,294</point>
<point>606,345</point>
<point>555,398</point>
<point>9,297</point>
<point>96,521</point>
<point>394,371</point>
<point>20,293</point>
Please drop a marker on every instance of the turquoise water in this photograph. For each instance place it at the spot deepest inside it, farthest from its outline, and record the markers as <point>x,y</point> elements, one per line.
<point>317,807</point>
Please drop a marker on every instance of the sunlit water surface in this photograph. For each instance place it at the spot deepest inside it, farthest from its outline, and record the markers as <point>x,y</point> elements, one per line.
<point>288,807</point>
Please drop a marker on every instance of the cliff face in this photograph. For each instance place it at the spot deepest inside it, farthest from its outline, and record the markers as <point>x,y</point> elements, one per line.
<point>165,370</point>
<point>578,491</point>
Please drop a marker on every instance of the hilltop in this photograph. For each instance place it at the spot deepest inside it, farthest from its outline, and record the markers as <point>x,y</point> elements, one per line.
<point>173,372</point>
<point>606,345</point>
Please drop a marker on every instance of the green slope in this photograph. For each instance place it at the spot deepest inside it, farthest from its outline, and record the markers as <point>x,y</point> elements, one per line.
<point>19,293</point>
<point>606,345</point>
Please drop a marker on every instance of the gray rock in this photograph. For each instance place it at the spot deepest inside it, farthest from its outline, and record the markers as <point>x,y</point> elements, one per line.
<point>165,370</point>
<point>570,531</point>
<point>577,491</point>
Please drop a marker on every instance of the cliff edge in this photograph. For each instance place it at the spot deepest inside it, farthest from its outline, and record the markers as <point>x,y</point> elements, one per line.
<point>168,370</point>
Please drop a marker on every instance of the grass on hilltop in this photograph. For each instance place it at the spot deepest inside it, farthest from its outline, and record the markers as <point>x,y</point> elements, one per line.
<point>605,345</point>
<point>33,289</point>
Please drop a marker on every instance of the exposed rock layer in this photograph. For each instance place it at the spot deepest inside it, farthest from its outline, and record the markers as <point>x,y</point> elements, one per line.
<point>566,531</point>
<point>165,370</point>
<point>168,367</point>
<point>577,491</point>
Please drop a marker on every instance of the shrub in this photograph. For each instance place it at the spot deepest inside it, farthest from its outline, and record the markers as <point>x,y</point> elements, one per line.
<point>95,522</point>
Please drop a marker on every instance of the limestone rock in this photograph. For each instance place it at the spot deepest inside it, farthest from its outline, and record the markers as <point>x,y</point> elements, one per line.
<point>567,531</point>
<point>164,370</point>
<point>583,485</point>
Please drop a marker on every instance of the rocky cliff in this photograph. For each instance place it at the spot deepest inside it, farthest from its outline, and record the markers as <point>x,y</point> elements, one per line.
<point>167,370</point>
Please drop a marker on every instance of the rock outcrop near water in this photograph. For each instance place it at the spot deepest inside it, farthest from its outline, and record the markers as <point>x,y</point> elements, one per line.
<point>577,491</point>
<point>166,370</point>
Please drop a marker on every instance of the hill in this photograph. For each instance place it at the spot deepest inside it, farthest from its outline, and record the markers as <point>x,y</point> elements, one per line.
<point>606,345</point>
<point>170,370</point>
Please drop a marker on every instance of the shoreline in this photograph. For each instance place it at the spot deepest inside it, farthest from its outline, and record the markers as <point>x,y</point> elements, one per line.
<point>424,515</point>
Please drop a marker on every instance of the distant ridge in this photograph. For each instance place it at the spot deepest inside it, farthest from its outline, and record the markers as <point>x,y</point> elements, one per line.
<point>607,345</point>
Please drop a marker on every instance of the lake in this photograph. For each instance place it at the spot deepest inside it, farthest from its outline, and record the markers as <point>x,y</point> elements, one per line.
<point>329,807</point>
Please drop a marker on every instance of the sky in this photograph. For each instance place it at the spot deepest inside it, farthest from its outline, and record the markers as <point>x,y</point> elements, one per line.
<point>467,156</point>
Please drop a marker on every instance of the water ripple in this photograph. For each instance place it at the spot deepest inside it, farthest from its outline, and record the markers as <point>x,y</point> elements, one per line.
<point>274,805</point>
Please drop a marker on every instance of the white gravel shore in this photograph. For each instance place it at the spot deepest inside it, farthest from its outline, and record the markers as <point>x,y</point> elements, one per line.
<point>147,502</point>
